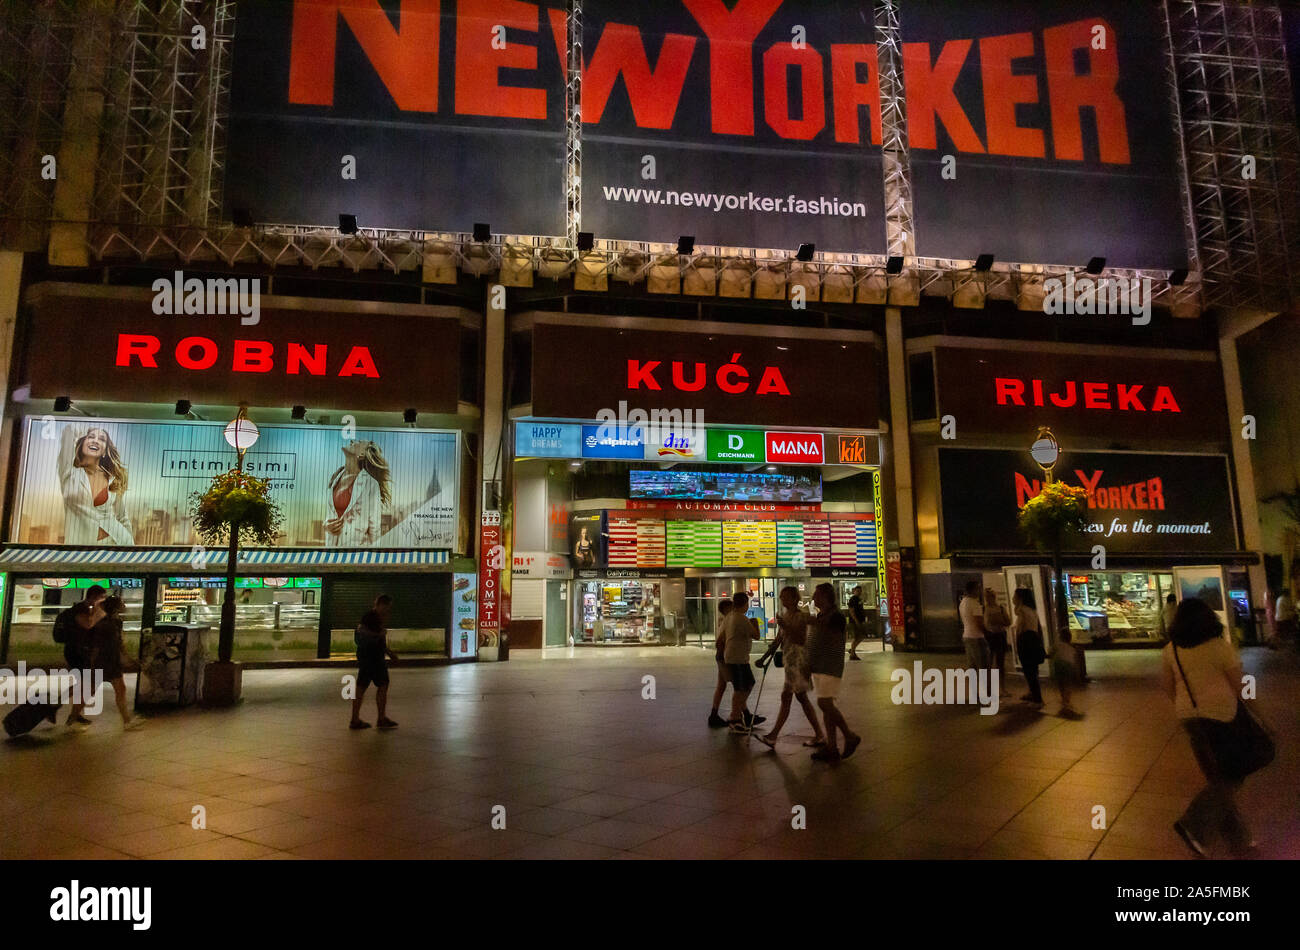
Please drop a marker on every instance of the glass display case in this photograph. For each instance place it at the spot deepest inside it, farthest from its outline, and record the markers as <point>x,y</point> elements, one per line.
<point>1117,605</point>
<point>613,611</point>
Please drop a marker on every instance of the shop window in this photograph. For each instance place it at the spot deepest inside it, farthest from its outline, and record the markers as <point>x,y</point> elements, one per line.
<point>276,618</point>
<point>38,600</point>
<point>1117,606</point>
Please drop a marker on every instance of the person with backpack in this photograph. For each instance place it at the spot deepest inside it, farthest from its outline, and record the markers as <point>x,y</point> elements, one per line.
<point>71,629</point>
<point>1201,674</point>
<point>372,647</point>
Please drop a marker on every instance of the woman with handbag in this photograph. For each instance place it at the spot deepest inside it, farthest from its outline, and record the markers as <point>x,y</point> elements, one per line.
<point>1202,675</point>
<point>107,650</point>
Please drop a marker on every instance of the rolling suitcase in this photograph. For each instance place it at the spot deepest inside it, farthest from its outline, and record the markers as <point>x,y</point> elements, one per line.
<point>23,719</point>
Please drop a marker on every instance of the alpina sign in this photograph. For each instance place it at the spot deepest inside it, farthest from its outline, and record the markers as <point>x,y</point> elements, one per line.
<point>325,359</point>
<point>1084,393</point>
<point>756,380</point>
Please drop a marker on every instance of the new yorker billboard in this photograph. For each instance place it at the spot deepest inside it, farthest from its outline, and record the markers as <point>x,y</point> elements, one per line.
<point>1038,132</point>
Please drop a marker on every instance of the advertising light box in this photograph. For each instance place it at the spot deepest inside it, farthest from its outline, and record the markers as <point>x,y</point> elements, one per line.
<point>124,483</point>
<point>724,486</point>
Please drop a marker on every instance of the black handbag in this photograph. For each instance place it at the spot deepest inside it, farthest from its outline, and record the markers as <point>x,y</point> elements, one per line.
<point>779,659</point>
<point>1242,746</point>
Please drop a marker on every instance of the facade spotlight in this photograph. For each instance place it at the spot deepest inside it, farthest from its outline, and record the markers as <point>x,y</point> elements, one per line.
<point>806,252</point>
<point>686,244</point>
<point>984,262</point>
<point>1096,265</point>
<point>409,417</point>
<point>348,223</point>
<point>299,412</point>
<point>62,403</point>
<point>586,241</point>
<point>182,407</point>
<point>894,265</point>
<point>241,218</point>
<point>482,233</point>
<point>1178,277</point>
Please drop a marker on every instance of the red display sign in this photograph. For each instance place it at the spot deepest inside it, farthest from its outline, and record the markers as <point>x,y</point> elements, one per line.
<point>743,506</point>
<point>795,448</point>
<point>324,358</point>
<point>491,557</point>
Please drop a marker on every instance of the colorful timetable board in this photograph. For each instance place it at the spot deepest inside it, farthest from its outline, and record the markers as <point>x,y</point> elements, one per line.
<point>749,544</point>
<point>694,543</point>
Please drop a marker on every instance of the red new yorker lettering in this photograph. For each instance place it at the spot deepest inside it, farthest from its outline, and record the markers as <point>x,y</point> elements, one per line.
<point>406,59</point>
<point>776,93</point>
<point>930,95</point>
<point>478,64</point>
<point>731,58</point>
<point>850,95</point>
<point>1004,90</point>
<point>1070,92</point>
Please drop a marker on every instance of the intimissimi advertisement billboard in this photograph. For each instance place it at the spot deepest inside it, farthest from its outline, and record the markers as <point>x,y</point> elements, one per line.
<point>1038,131</point>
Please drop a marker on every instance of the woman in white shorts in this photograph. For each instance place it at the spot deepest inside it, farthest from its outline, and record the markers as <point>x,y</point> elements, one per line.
<point>791,639</point>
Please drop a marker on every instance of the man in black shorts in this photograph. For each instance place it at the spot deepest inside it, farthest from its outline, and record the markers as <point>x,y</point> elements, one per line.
<point>372,647</point>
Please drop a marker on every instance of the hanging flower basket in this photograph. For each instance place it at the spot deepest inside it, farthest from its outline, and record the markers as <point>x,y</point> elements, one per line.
<point>235,497</point>
<point>1053,515</point>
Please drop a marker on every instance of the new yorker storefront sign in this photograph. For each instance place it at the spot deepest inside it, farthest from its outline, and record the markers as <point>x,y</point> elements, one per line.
<point>578,370</point>
<point>323,358</point>
<point>1137,503</point>
<point>1121,397</point>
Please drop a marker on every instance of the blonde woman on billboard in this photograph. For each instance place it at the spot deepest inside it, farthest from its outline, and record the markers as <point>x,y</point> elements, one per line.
<point>358,493</point>
<point>93,479</point>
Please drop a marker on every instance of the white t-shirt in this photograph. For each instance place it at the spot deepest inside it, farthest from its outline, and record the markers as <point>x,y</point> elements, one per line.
<point>1206,666</point>
<point>971,614</point>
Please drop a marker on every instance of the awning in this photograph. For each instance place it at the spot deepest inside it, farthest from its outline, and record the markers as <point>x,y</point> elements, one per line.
<point>102,560</point>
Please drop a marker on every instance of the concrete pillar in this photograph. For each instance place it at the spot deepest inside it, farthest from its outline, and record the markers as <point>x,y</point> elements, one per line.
<point>11,274</point>
<point>1230,329</point>
<point>904,526</point>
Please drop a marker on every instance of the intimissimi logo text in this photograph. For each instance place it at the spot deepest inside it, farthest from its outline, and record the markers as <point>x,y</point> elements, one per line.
<point>1146,495</point>
<point>1138,397</point>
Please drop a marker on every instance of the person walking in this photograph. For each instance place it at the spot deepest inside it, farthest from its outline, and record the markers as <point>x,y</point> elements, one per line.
<point>792,640</point>
<point>739,633</point>
<point>106,651</point>
<point>1065,671</point>
<point>72,629</point>
<point>1028,636</point>
<point>996,623</point>
<point>372,647</point>
<point>1201,674</point>
<point>971,612</point>
<point>1284,617</point>
<point>826,664</point>
<point>858,621</point>
<point>724,676</point>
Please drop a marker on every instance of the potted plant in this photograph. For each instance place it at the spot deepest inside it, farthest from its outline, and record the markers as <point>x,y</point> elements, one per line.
<point>1049,520</point>
<point>236,506</point>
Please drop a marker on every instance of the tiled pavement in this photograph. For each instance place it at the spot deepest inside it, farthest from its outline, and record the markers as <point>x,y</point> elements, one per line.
<point>587,768</point>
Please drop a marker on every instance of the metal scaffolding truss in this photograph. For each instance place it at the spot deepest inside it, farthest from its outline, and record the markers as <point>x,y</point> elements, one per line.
<point>1235,97</point>
<point>162,141</point>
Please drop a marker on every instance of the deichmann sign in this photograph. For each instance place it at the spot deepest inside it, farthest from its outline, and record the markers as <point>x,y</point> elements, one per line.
<point>415,114</point>
<point>321,358</point>
<point>1137,504</point>
<point>755,380</point>
<point>1126,397</point>
<point>735,445</point>
<point>700,114</point>
<point>403,493</point>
